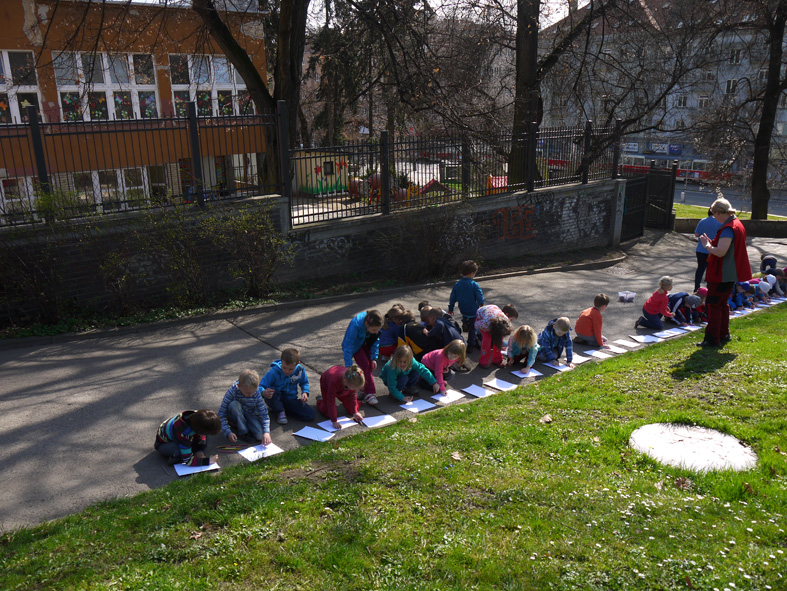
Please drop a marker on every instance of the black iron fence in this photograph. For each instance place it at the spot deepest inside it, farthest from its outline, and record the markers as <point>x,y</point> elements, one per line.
<point>83,168</point>
<point>379,177</point>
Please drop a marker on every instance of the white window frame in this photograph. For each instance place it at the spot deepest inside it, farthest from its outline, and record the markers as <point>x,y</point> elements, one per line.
<point>735,56</point>
<point>682,101</point>
<point>235,85</point>
<point>108,86</point>
<point>731,86</point>
<point>703,103</point>
<point>12,91</point>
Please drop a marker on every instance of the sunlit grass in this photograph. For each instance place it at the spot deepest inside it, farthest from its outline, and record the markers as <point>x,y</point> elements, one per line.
<point>474,496</point>
<point>696,212</point>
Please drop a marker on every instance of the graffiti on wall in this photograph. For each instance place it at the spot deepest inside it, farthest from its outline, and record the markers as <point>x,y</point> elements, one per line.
<point>324,249</point>
<point>514,223</point>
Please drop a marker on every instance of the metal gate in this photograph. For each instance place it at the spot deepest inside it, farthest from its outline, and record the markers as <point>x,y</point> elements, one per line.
<point>660,197</point>
<point>634,208</point>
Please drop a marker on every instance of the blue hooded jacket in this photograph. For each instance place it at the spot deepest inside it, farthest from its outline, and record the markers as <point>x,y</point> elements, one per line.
<point>287,386</point>
<point>355,337</point>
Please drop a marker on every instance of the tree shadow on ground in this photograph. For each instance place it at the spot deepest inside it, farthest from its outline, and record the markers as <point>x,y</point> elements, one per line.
<point>701,362</point>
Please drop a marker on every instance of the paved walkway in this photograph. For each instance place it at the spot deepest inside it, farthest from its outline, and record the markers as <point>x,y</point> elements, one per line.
<point>80,415</point>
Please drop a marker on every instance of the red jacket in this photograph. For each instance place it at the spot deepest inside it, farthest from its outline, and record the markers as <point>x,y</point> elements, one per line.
<point>733,266</point>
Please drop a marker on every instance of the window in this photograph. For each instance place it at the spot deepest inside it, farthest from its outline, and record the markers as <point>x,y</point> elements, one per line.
<point>703,103</point>
<point>762,75</point>
<point>731,86</point>
<point>682,101</point>
<point>18,86</point>
<point>735,56</point>
<point>783,101</point>
<point>209,81</point>
<point>709,76</point>
<point>99,87</point>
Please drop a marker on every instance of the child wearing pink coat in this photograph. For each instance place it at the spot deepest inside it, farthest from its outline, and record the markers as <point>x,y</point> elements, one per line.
<point>440,361</point>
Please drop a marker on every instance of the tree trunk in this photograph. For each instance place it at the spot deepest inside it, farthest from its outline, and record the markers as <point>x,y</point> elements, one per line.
<point>526,101</point>
<point>291,43</point>
<point>760,194</point>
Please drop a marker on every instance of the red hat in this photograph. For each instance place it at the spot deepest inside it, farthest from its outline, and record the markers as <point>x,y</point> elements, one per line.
<point>702,291</point>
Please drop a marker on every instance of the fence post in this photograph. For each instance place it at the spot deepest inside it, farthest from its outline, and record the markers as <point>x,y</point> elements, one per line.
<point>38,148</point>
<point>385,177</point>
<point>671,202</point>
<point>284,165</point>
<point>465,168</point>
<point>586,151</point>
<point>532,142</point>
<point>196,157</point>
<point>616,149</point>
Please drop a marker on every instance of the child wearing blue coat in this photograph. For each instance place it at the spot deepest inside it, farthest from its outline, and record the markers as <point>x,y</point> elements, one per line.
<point>362,343</point>
<point>467,293</point>
<point>280,388</point>
<point>553,339</point>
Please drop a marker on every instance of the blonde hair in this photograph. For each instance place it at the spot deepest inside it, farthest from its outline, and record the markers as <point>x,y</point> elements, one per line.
<point>563,324</point>
<point>525,337</point>
<point>353,377</point>
<point>722,206</point>
<point>456,347</point>
<point>402,353</point>
<point>665,283</point>
<point>249,378</point>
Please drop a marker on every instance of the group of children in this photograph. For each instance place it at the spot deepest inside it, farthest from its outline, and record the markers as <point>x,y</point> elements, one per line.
<point>417,353</point>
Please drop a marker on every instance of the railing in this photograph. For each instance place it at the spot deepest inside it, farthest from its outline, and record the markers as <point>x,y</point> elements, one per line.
<point>85,168</point>
<point>364,178</point>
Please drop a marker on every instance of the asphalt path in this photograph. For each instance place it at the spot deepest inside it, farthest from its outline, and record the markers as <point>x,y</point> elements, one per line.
<point>80,414</point>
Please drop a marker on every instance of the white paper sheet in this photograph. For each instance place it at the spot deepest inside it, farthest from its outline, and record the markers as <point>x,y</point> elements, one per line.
<point>381,421</point>
<point>554,365</point>
<point>678,330</point>
<point>614,349</point>
<point>626,296</point>
<point>645,338</point>
<point>417,405</point>
<point>666,334</point>
<point>184,470</point>
<point>533,373</point>
<point>256,452</point>
<point>626,343</point>
<point>314,434</point>
<point>478,391</point>
<point>500,385</point>
<point>345,422</point>
<point>692,327</point>
<point>599,354</point>
<point>449,396</point>
<point>577,359</point>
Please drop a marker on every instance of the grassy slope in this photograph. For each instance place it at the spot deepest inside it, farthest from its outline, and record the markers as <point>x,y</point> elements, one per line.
<point>695,211</point>
<point>475,496</point>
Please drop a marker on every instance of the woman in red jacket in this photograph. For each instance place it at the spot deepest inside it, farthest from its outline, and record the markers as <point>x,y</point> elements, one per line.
<point>728,262</point>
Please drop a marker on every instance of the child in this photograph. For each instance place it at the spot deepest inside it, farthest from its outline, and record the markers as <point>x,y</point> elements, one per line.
<point>588,326</point>
<point>656,306</point>
<point>401,375</point>
<point>414,334</point>
<point>767,262</point>
<point>340,383</point>
<point>761,289</point>
<point>493,325</point>
<point>361,342</point>
<point>511,311</point>
<point>699,314</point>
<point>439,362</point>
<point>389,334</point>
<point>467,293</point>
<point>777,286</point>
<point>676,302</point>
<point>553,339</point>
<point>739,297</point>
<point>183,438</point>
<point>523,346</point>
<point>442,329</point>
<point>280,388</point>
<point>243,407</point>
<point>687,312</point>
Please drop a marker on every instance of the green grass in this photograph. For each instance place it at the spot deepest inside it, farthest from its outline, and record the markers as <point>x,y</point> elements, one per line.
<point>474,496</point>
<point>696,211</point>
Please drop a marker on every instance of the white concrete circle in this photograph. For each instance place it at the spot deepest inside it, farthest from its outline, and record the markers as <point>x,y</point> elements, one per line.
<point>693,448</point>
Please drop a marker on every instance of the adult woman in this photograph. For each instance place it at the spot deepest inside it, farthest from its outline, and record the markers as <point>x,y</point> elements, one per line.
<point>728,262</point>
<point>709,226</point>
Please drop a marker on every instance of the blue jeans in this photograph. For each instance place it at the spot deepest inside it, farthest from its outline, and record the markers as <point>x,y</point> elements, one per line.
<point>245,422</point>
<point>408,380</point>
<point>472,337</point>
<point>651,320</point>
<point>292,407</point>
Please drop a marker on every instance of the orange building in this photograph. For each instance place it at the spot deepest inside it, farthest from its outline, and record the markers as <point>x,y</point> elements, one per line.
<point>94,61</point>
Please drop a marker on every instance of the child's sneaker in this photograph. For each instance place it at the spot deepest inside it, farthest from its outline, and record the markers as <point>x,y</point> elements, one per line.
<point>282,418</point>
<point>370,399</point>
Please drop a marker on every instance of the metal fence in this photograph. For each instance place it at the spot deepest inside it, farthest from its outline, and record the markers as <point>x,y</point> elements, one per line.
<point>379,177</point>
<point>86,168</point>
<point>83,168</point>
